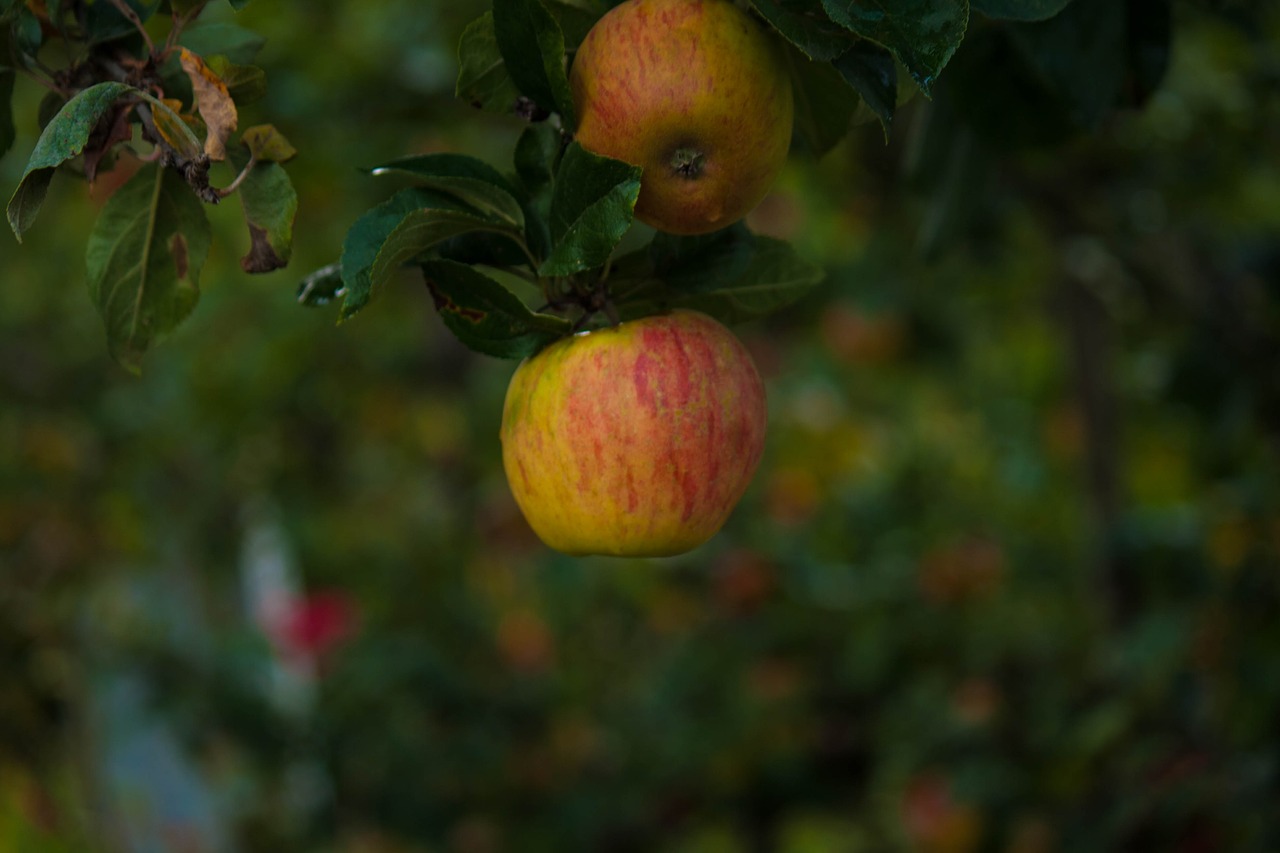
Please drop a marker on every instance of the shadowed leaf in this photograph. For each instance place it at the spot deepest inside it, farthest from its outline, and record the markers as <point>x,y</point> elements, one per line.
<point>144,259</point>
<point>63,138</point>
<point>486,316</point>
<point>483,80</point>
<point>923,34</point>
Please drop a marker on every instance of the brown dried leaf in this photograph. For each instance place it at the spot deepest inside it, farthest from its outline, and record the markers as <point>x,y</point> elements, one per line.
<point>112,128</point>
<point>173,129</point>
<point>262,255</point>
<point>214,102</point>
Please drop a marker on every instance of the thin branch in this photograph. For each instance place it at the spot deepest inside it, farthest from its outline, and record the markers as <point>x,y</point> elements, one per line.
<point>180,23</point>
<point>125,9</point>
<point>244,173</point>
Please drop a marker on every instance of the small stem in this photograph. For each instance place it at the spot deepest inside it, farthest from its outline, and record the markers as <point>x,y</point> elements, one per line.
<point>244,173</point>
<point>179,24</point>
<point>125,9</point>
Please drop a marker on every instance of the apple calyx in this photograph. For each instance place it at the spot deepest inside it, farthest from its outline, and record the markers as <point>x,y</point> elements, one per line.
<point>688,163</point>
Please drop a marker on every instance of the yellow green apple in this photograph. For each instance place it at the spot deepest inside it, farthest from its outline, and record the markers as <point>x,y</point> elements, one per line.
<point>695,92</point>
<point>634,440</point>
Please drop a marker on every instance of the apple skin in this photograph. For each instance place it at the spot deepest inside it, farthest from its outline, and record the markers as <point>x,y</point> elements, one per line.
<point>696,93</point>
<point>636,440</point>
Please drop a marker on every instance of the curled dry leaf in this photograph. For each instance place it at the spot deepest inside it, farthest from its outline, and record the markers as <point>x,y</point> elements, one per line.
<point>214,103</point>
<point>112,128</point>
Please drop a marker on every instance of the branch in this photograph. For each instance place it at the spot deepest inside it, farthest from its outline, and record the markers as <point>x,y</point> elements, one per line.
<point>125,9</point>
<point>244,173</point>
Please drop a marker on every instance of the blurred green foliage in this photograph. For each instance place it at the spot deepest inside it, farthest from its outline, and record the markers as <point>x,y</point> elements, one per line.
<point>1007,580</point>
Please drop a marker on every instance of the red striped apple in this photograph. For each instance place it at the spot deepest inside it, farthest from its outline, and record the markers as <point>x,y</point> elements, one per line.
<point>635,440</point>
<point>697,93</point>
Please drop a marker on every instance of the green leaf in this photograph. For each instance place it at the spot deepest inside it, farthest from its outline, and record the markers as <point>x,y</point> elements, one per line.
<point>536,156</point>
<point>732,275</point>
<point>144,259</point>
<point>266,143</point>
<point>815,35</point>
<point>486,316</point>
<point>1150,36</point>
<point>103,21</point>
<point>1081,54</point>
<point>871,71</point>
<point>237,44</point>
<point>922,34</point>
<point>239,4</point>
<point>8,132</point>
<point>321,287</point>
<point>591,208</point>
<point>28,35</point>
<point>1019,10</point>
<point>824,102</point>
<point>419,231</point>
<point>63,138</point>
<point>466,178</point>
<point>270,205</point>
<point>576,18</point>
<point>483,80</point>
<point>532,46</point>
<point>246,84</point>
<point>366,239</point>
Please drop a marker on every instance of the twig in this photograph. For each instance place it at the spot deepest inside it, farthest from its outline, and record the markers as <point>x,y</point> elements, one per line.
<point>244,173</point>
<point>125,9</point>
<point>180,23</point>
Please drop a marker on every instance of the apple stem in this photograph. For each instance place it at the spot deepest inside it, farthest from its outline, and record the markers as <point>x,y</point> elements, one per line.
<point>688,162</point>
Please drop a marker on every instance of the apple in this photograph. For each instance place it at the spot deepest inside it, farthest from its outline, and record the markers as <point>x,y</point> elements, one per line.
<point>635,440</point>
<point>695,92</point>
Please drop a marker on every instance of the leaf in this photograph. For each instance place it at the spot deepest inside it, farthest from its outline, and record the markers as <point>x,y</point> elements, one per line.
<point>592,206</point>
<point>537,153</point>
<point>922,34</point>
<point>103,21</point>
<point>871,71</point>
<point>1150,37</point>
<point>246,84</point>
<point>468,179</point>
<point>144,259</point>
<point>417,232</point>
<point>576,18</point>
<point>266,143</point>
<point>369,233</point>
<point>237,44</point>
<point>63,138</point>
<point>270,205</point>
<point>732,275</point>
<point>173,128</point>
<point>1019,10</point>
<point>535,157</point>
<point>1081,54</point>
<point>815,35</point>
<point>483,80</point>
<point>486,316</point>
<point>532,47</point>
<point>28,35</point>
<point>214,103</point>
<point>112,128</point>
<point>8,132</point>
<point>824,102</point>
<point>321,287</point>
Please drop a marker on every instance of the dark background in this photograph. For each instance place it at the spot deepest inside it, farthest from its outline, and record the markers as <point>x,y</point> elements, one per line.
<point>1007,578</point>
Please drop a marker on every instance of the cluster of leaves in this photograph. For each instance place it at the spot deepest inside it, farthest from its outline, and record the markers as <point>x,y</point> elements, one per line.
<point>558,219</point>
<point>174,104</point>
